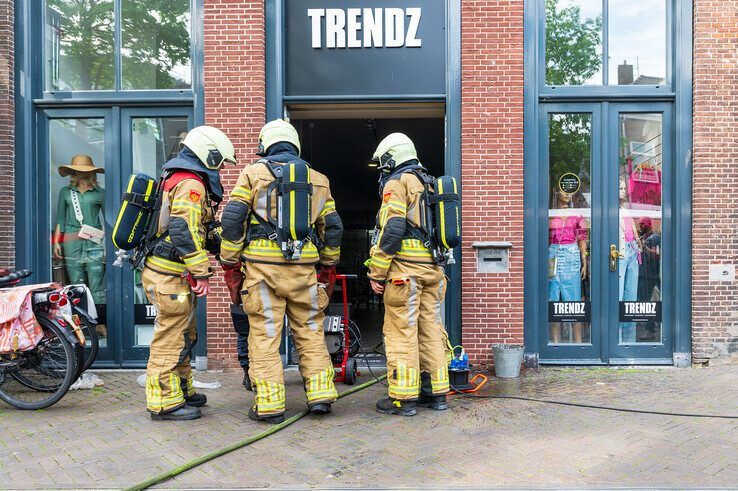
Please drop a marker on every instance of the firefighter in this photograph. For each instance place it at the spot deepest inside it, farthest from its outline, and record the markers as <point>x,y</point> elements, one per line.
<point>178,270</point>
<point>271,285</point>
<point>403,270</point>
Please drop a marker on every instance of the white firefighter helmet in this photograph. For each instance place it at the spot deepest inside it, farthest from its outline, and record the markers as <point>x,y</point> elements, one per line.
<point>393,151</point>
<point>211,146</point>
<point>278,131</point>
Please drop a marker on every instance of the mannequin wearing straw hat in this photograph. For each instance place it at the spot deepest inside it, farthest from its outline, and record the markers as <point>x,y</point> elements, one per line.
<point>78,237</point>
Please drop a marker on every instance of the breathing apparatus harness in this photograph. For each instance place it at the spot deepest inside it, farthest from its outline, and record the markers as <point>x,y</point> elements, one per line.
<point>291,229</point>
<point>156,244</point>
<point>430,233</point>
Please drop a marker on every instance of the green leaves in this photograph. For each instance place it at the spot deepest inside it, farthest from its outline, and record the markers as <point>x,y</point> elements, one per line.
<point>573,45</point>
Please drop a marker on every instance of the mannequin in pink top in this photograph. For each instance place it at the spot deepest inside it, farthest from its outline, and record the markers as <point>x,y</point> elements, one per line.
<point>568,237</point>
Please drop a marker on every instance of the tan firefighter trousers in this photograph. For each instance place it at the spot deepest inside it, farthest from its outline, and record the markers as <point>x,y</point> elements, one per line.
<point>414,336</point>
<point>269,292</point>
<point>168,373</point>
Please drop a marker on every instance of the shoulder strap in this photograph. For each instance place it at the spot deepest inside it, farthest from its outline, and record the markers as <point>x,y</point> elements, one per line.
<point>74,195</point>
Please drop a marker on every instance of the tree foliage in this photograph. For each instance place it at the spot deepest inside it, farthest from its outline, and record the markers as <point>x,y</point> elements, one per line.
<point>81,48</point>
<point>573,56</point>
<point>573,45</point>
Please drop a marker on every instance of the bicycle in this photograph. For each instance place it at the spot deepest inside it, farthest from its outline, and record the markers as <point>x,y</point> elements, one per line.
<point>40,376</point>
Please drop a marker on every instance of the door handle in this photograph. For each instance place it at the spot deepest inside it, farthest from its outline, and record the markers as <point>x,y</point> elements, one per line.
<point>614,256</point>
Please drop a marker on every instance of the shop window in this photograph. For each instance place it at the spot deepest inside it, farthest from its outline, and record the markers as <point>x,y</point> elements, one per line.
<point>81,52</point>
<point>79,43</point>
<point>573,42</point>
<point>569,230</point>
<point>637,42</point>
<point>156,44</point>
<point>77,166</point>
<point>154,141</point>
<point>639,271</point>
<point>635,48</point>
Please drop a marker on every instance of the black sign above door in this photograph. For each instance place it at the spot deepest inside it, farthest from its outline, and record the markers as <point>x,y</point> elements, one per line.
<point>363,48</point>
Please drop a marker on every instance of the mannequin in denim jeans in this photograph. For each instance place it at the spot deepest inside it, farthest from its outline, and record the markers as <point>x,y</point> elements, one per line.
<point>571,266</point>
<point>629,263</point>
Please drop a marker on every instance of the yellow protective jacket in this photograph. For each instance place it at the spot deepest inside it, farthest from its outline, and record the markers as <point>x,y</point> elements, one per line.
<point>185,214</point>
<point>401,206</point>
<point>250,197</point>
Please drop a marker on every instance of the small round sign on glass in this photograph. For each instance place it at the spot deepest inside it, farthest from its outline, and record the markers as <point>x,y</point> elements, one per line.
<point>569,183</point>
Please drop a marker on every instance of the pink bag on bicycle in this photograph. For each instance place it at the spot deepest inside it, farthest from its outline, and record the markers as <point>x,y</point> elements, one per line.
<point>19,329</point>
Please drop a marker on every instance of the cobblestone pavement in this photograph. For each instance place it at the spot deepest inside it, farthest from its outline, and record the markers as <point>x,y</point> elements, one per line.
<point>104,439</point>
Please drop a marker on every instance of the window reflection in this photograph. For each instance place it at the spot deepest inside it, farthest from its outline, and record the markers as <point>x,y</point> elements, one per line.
<point>574,42</point>
<point>637,42</point>
<point>154,141</point>
<point>156,44</point>
<point>77,157</point>
<point>640,227</point>
<point>79,46</point>
<point>569,287</point>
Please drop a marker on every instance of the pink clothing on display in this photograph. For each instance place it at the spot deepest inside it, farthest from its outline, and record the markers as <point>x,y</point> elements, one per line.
<point>628,229</point>
<point>644,184</point>
<point>567,230</point>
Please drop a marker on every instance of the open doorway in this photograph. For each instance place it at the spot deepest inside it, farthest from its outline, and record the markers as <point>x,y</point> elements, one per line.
<point>340,145</point>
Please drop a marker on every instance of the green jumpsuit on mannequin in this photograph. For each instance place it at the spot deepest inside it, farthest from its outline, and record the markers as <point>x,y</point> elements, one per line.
<point>80,204</point>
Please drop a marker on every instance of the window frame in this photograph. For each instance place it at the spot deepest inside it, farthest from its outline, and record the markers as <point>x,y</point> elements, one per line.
<point>550,93</point>
<point>43,96</point>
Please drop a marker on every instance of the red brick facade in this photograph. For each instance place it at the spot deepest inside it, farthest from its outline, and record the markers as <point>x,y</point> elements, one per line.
<point>7,135</point>
<point>492,153</point>
<point>234,102</point>
<point>715,215</point>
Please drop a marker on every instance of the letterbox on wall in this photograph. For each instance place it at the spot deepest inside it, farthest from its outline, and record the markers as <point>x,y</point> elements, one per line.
<point>493,257</point>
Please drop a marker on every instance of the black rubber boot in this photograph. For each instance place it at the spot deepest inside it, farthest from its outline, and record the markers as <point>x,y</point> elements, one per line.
<point>272,419</point>
<point>393,406</point>
<point>437,403</point>
<point>427,399</point>
<point>320,408</point>
<point>196,400</point>
<point>184,413</point>
<point>246,380</point>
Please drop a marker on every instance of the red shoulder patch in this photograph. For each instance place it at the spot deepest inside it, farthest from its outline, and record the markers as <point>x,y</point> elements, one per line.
<point>194,196</point>
<point>387,197</point>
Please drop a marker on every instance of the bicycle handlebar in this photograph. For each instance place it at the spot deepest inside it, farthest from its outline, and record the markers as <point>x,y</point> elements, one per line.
<point>15,277</point>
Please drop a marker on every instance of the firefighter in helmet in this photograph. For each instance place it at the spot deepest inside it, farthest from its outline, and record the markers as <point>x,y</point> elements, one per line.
<point>270,284</point>
<point>403,270</point>
<point>177,271</point>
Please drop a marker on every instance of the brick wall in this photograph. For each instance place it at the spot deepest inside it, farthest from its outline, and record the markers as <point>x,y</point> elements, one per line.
<point>7,136</point>
<point>235,103</point>
<point>492,169</point>
<point>715,219</point>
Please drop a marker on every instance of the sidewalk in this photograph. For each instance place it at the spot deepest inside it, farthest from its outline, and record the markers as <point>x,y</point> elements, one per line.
<point>103,438</point>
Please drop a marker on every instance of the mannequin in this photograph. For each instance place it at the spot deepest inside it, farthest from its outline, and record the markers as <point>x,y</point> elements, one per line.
<point>567,253</point>
<point>78,237</point>
<point>629,263</point>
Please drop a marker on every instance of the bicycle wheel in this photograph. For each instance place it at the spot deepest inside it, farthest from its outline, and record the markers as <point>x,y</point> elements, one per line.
<point>38,378</point>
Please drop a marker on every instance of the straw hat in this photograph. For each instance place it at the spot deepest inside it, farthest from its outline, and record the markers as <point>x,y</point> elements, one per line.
<point>80,163</point>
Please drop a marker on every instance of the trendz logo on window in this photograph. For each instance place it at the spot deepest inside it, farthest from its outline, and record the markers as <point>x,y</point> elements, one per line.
<point>366,28</point>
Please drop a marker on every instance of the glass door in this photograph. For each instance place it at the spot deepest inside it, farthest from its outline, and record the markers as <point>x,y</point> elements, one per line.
<point>640,172</point>
<point>570,226</point>
<point>76,184</point>
<point>606,175</point>
<point>150,137</point>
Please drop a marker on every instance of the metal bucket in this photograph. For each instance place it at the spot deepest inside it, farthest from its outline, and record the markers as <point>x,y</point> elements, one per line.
<point>508,359</point>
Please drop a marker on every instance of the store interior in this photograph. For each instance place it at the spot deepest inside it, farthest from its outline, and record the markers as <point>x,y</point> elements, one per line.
<point>339,142</point>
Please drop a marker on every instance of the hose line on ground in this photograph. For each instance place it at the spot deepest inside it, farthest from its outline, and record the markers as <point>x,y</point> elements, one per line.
<point>594,406</point>
<point>235,446</point>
